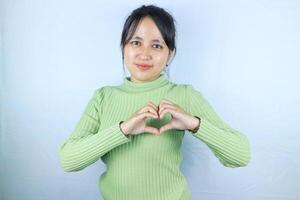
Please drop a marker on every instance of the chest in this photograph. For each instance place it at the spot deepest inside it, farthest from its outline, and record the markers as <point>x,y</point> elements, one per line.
<point>116,107</point>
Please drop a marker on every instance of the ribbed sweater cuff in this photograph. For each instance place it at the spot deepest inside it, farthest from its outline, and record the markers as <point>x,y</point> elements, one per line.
<point>208,132</point>
<point>113,136</point>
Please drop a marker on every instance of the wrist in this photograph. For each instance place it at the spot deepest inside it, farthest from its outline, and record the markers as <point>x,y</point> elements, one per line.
<point>121,128</point>
<point>196,127</point>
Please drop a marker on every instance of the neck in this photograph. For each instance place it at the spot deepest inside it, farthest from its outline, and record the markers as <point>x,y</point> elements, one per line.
<point>145,81</point>
<point>130,85</point>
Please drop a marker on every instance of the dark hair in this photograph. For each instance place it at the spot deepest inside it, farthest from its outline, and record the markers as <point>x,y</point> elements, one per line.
<point>163,20</point>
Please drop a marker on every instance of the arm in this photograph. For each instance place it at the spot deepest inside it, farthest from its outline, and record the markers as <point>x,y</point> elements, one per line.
<point>230,146</point>
<point>87,143</point>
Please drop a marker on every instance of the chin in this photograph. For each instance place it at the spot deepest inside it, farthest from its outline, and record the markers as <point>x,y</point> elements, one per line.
<point>142,77</point>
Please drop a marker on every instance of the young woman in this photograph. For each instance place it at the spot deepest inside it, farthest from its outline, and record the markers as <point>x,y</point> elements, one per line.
<point>137,128</point>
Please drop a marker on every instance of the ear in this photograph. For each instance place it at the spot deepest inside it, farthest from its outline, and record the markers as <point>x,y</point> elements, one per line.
<point>171,54</point>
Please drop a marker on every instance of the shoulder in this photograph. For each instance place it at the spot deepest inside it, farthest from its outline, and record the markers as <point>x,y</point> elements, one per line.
<point>193,93</point>
<point>183,86</point>
<point>104,91</point>
<point>192,90</point>
<point>187,88</point>
<point>100,92</point>
<point>178,87</point>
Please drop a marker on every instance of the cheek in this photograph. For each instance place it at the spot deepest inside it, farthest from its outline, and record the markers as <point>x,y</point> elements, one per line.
<point>162,58</point>
<point>128,54</point>
<point>128,58</point>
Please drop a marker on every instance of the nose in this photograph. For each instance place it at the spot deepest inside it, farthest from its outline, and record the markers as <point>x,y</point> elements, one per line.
<point>144,53</point>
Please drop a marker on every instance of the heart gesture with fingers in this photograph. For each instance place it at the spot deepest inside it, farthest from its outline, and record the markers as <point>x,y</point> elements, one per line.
<point>181,119</point>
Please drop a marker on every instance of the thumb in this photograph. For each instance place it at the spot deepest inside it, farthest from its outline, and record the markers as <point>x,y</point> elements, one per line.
<point>165,128</point>
<point>152,130</point>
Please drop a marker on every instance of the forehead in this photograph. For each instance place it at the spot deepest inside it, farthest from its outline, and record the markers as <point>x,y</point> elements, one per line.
<point>147,30</point>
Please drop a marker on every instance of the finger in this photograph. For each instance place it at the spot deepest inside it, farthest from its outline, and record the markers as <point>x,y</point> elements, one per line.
<point>153,105</point>
<point>148,109</point>
<point>146,114</point>
<point>164,101</point>
<point>166,109</point>
<point>153,108</point>
<point>164,104</point>
<point>152,130</point>
<point>165,128</point>
<point>142,110</point>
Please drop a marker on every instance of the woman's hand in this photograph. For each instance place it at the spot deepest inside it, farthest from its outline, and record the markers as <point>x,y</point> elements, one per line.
<point>136,124</point>
<point>180,118</point>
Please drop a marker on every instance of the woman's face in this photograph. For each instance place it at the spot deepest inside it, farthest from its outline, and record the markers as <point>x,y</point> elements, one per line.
<point>146,54</point>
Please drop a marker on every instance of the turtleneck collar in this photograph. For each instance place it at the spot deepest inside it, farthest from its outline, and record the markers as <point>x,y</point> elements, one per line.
<point>131,86</point>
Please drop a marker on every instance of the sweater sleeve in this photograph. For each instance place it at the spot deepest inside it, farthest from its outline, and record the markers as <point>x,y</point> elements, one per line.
<point>229,145</point>
<point>87,143</point>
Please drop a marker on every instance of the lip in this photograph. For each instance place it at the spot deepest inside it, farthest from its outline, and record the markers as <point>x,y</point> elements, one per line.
<point>143,66</point>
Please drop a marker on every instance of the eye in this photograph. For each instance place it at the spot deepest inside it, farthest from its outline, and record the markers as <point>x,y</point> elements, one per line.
<point>134,42</point>
<point>157,46</point>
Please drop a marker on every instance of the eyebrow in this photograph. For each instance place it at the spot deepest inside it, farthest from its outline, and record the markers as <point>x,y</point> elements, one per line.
<point>139,38</point>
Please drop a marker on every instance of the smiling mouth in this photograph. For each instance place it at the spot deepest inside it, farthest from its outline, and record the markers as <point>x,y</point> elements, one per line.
<point>143,66</point>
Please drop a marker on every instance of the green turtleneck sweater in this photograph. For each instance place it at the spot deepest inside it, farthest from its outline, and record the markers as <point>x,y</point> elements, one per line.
<point>146,166</point>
